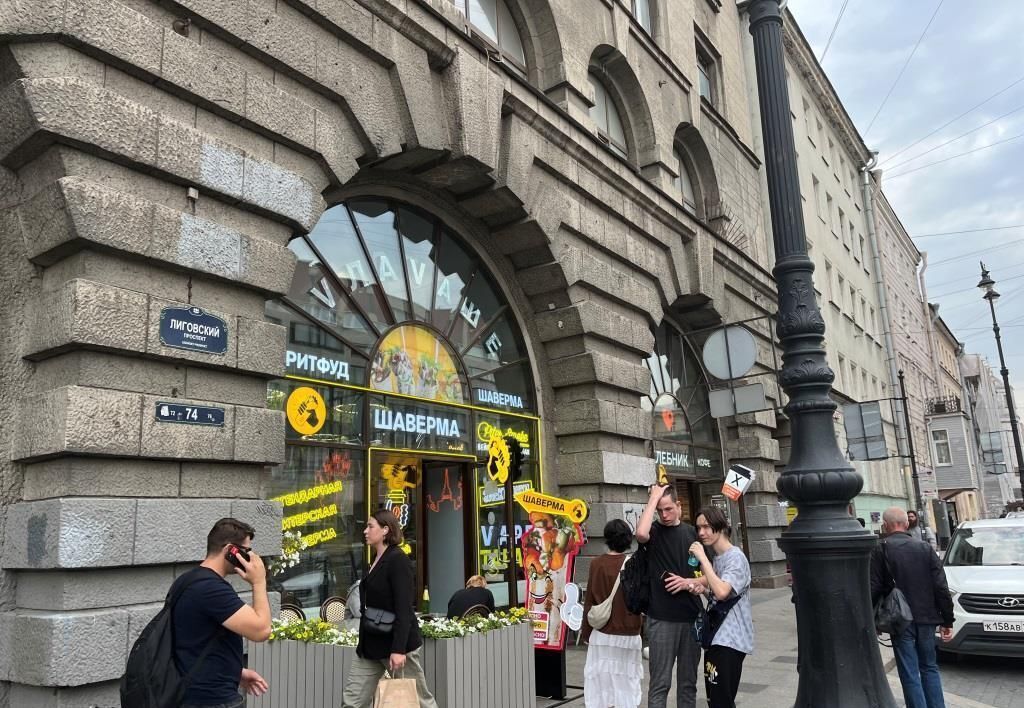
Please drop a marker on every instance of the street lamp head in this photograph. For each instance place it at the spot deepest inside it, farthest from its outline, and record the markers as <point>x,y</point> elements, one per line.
<point>987,284</point>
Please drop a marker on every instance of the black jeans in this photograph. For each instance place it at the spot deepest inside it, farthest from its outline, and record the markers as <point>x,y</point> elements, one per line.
<point>237,703</point>
<point>722,669</point>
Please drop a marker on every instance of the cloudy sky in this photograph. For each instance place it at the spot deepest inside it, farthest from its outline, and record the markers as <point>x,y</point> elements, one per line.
<point>969,53</point>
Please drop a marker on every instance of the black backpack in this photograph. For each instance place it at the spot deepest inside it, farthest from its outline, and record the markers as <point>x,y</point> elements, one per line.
<point>152,678</point>
<point>635,583</point>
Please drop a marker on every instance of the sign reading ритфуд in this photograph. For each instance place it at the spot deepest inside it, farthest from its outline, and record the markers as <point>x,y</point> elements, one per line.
<point>192,329</point>
<point>190,415</point>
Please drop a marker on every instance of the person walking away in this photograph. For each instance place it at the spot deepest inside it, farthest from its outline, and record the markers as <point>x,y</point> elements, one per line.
<point>724,579</point>
<point>475,594</point>
<point>614,672</point>
<point>210,619</point>
<point>673,608</point>
<point>915,569</point>
<point>387,586</point>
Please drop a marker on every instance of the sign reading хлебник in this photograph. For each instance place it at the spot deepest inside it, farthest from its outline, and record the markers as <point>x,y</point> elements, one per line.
<point>192,329</point>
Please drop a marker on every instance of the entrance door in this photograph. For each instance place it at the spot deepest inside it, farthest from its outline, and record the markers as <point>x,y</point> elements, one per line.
<point>446,541</point>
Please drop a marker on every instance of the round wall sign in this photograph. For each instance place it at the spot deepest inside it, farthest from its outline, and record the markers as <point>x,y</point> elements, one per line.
<point>306,410</point>
<point>730,352</point>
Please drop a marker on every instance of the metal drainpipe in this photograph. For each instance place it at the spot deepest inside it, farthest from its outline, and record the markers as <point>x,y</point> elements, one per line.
<point>883,307</point>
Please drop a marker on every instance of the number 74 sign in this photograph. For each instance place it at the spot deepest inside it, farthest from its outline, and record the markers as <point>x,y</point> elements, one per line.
<point>737,480</point>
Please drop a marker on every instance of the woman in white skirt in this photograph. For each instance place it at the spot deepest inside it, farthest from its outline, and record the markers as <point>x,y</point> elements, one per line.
<point>614,672</point>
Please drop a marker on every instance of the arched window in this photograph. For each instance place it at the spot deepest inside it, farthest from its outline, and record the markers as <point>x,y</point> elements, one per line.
<point>605,115</point>
<point>683,181</point>
<point>493,20</point>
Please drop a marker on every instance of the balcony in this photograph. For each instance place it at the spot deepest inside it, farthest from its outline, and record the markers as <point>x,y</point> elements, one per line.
<point>939,406</point>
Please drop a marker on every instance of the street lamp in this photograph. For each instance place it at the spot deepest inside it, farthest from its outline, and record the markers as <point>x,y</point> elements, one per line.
<point>828,551</point>
<point>988,286</point>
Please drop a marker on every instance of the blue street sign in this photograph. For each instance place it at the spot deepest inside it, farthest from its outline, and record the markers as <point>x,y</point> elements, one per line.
<point>191,415</point>
<point>191,328</point>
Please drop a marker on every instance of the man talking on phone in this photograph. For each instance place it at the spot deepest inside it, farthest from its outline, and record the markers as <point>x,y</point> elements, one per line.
<point>210,620</point>
<point>672,609</point>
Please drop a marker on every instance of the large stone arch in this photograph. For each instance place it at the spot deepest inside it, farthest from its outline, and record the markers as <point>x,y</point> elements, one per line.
<point>612,67</point>
<point>697,158</point>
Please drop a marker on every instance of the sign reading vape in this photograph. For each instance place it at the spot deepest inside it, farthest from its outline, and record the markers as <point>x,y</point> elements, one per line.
<point>191,328</point>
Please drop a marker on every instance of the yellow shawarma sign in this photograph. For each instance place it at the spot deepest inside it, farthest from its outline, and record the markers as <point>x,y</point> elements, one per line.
<point>574,509</point>
<point>306,410</point>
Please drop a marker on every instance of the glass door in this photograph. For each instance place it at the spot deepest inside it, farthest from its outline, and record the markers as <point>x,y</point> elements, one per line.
<point>447,506</point>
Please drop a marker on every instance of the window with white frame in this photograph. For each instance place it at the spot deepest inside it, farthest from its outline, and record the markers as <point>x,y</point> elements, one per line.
<point>493,20</point>
<point>642,13</point>
<point>940,448</point>
<point>606,117</point>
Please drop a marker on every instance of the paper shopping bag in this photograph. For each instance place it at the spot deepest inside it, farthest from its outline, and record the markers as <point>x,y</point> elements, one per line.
<point>396,693</point>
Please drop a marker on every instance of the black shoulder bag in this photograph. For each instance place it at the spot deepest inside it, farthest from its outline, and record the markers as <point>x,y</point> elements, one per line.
<point>892,613</point>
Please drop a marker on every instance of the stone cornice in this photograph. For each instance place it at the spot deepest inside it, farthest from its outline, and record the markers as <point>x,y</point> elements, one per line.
<point>813,76</point>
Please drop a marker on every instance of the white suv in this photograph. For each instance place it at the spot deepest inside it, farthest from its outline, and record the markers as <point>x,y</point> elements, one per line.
<point>984,567</point>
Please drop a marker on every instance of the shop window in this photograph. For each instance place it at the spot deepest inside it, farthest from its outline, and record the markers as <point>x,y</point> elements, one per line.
<point>405,370</point>
<point>493,21</point>
<point>683,182</point>
<point>606,116</point>
<point>941,448</point>
<point>642,14</point>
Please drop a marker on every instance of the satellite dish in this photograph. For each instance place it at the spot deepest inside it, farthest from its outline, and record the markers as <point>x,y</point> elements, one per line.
<point>730,352</point>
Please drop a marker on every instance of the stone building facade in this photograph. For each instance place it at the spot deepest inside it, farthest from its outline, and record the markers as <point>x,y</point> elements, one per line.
<point>830,153</point>
<point>906,321</point>
<point>601,173</point>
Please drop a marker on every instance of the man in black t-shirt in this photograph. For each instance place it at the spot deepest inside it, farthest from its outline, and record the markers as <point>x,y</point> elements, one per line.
<point>210,620</point>
<point>672,609</point>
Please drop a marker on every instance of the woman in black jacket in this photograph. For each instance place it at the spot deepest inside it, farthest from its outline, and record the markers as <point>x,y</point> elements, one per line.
<point>386,591</point>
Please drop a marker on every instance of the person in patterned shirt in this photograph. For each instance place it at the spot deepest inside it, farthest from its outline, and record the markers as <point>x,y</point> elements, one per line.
<point>726,578</point>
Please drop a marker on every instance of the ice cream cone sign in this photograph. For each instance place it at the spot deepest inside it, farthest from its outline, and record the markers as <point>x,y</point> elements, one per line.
<point>737,480</point>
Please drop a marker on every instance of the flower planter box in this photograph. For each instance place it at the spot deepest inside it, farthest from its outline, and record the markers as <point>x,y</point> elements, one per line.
<point>493,669</point>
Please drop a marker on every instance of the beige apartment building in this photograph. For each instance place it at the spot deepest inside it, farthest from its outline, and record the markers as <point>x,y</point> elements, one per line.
<point>830,154</point>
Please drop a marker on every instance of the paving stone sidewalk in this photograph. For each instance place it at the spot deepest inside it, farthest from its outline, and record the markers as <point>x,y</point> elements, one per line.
<point>769,675</point>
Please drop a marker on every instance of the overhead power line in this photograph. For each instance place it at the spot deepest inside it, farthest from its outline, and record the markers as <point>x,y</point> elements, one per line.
<point>953,140</point>
<point>904,68</point>
<point>953,157</point>
<point>951,121</point>
<point>973,254</point>
<point>967,290</point>
<point>969,231</point>
<point>833,33</point>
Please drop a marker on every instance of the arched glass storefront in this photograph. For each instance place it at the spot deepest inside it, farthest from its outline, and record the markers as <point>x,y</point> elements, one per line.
<point>687,447</point>
<point>408,386</point>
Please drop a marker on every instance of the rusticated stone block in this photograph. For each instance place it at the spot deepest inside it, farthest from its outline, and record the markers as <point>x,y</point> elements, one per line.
<point>65,648</point>
<point>76,419</point>
<point>259,435</point>
<point>86,313</point>
<point>92,588</point>
<point>116,29</point>
<point>186,441</point>
<point>100,477</point>
<point>261,346</point>
<point>215,479</point>
<point>761,515</point>
<point>174,530</point>
<point>765,551</point>
<point>602,466</point>
<point>91,696</point>
<point>265,517</point>
<point>69,533</point>
<point>202,72</point>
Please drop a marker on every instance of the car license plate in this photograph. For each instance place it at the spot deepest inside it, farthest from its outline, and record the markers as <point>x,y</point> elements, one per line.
<point>1004,626</point>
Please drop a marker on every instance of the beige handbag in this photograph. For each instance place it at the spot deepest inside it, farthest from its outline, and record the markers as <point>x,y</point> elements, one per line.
<point>599,615</point>
<point>396,693</point>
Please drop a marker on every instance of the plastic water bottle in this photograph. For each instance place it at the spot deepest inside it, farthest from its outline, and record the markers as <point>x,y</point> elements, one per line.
<point>692,561</point>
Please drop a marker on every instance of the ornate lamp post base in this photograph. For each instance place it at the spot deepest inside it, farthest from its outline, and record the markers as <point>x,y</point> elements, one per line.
<point>829,552</point>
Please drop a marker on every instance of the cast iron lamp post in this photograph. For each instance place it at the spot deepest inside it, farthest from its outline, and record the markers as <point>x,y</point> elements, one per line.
<point>988,285</point>
<point>828,551</point>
